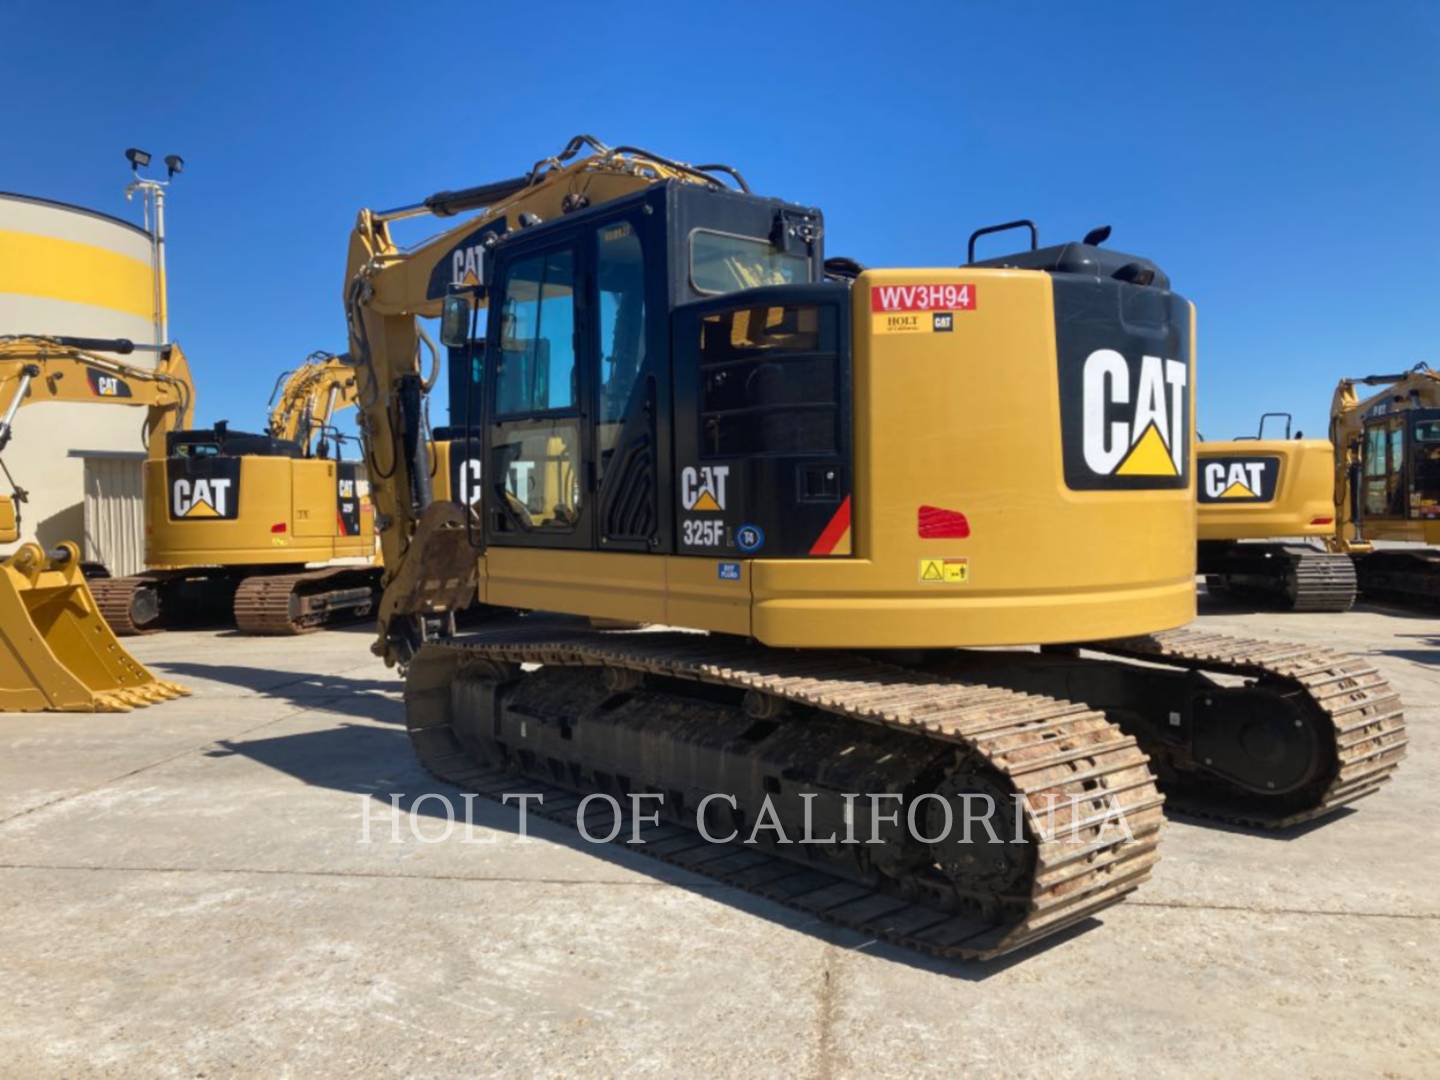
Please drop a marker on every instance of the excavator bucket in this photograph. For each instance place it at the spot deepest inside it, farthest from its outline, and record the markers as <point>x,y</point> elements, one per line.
<point>57,653</point>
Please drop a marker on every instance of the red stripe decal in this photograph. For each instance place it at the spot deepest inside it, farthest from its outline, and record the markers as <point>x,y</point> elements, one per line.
<point>834,531</point>
<point>936,523</point>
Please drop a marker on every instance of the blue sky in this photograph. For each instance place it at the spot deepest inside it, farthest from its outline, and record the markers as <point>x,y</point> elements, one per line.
<point>1281,161</point>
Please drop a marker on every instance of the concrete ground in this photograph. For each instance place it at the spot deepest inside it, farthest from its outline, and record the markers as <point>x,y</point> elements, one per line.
<point>184,891</point>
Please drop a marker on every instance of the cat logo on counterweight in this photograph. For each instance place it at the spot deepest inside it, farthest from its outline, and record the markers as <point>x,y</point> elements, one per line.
<point>1238,479</point>
<point>204,489</point>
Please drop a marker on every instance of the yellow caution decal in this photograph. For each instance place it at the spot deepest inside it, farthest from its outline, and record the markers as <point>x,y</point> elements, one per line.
<point>953,571</point>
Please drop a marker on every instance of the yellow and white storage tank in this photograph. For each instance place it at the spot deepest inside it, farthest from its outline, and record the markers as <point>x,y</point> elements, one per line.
<point>68,270</point>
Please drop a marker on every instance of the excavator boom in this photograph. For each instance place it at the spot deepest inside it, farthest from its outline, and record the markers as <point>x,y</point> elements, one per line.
<point>306,399</point>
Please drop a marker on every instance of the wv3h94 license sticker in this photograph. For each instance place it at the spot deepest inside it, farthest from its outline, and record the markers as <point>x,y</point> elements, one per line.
<point>919,309</point>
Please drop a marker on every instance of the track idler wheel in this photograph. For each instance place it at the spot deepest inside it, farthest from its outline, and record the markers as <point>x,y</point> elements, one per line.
<point>1261,739</point>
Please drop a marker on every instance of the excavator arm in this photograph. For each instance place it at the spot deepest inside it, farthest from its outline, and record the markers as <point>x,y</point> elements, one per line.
<point>38,369</point>
<point>430,566</point>
<point>69,369</point>
<point>306,399</point>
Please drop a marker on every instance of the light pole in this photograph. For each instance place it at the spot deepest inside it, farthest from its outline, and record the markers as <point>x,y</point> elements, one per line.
<point>153,194</point>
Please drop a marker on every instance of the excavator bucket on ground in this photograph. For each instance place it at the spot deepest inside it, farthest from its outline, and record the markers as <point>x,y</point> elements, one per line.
<point>57,653</point>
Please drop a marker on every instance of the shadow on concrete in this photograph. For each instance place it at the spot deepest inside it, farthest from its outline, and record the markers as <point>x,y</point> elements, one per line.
<point>377,762</point>
<point>1293,832</point>
<point>364,625</point>
<point>1396,610</point>
<point>368,698</point>
<point>1430,654</point>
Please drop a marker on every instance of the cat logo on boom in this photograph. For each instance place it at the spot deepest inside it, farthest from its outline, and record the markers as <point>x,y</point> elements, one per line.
<point>464,266</point>
<point>467,265</point>
<point>107,386</point>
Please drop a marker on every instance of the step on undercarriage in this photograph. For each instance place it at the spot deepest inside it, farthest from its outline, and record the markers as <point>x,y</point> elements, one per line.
<point>277,603</point>
<point>1290,577</point>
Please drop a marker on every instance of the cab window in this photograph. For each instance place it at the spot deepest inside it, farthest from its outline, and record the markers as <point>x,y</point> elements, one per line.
<point>722,263</point>
<point>535,449</point>
<point>536,369</point>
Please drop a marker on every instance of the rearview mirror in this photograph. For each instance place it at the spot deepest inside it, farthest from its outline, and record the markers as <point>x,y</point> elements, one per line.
<point>455,320</point>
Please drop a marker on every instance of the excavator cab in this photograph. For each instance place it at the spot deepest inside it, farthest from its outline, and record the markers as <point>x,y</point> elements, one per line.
<point>1400,472</point>
<point>586,413</point>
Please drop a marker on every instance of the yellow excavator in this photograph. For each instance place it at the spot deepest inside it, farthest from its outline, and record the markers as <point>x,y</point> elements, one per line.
<point>832,482</point>
<point>1387,481</point>
<point>56,651</point>
<point>266,529</point>
<point>306,399</point>
<point>1266,520</point>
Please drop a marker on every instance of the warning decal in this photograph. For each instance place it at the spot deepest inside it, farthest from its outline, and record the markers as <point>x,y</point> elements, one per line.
<point>910,309</point>
<point>944,571</point>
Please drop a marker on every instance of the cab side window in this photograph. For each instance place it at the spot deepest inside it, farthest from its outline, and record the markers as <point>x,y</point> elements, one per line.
<point>620,309</point>
<point>536,450</point>
<point>537,336</point>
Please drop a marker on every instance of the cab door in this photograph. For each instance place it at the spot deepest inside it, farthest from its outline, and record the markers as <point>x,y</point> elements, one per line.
<point>1383,458</point>
<point>630,389</point>
<point>577,386</point>
<point>537,383</point>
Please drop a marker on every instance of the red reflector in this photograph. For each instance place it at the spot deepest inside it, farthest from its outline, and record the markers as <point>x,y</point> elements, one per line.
<point>938,524</point>
<point>1322,521</point>
<point>278,527</point>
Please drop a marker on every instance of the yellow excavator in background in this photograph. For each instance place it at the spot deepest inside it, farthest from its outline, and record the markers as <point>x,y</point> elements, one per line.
<point>1387,481</point>
<point>832,481</point>
<point>237,523</point>
<point>1265,521</point>
<point>306,399</point>
<point>56,651</point>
